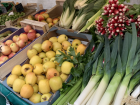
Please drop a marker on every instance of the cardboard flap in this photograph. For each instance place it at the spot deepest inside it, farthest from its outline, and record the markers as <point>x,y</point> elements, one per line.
<point>60,2</point>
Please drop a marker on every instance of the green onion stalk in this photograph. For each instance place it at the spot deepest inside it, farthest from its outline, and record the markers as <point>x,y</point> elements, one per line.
<point>86,13</point>
<point>92,19</point>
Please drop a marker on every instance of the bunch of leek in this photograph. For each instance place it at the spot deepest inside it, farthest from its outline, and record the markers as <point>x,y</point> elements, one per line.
<point>86,13</point>
<point>68,14</point>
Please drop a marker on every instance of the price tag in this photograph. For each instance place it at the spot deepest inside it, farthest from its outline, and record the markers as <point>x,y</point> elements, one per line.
<point>19,8</point>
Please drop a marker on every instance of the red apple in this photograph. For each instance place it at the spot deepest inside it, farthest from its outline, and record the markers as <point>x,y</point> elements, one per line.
<point>21,43</point>
<point>1,62</point>
<point>27,28</point>
<point>36,16</point>
<point>49,20</point>
<point>55,20</point>
<point>6,50</point>
<point>45,15</point>
<point>23,37</point>
<point>8,42</point>
<point>40,17</point>
<point>42,12</point>
<point>38,35</point>
<point>32,31</point>
<point>15,38</point>
<point>50,24</point>
<point>31,35</point>
<point>14,47</point>
<point>11,55</point>
<point>3,58</point>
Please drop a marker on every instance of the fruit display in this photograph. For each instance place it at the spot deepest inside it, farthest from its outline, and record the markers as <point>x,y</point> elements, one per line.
<point>11,46</point>
<point>12,17</point>
<point>44,17</point>
<point>42,75</point>
<point>5,34</point>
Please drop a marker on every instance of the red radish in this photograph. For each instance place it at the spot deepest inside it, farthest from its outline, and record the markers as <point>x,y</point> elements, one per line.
<point>8,42</point>
<point>15,38</point>
<point>93,48</point>
<point>3,58</point>
<point>11,55</point>
<point>5,50</point>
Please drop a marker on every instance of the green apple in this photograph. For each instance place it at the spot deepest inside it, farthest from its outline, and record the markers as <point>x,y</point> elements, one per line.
<point>62,38</point>
<point>37,47</point>
<point>42,55</point>
<point>76,43</point>
<point>45,60</point>
<point>35,98</point>
<point>45,97</point>
<point>31,53</point>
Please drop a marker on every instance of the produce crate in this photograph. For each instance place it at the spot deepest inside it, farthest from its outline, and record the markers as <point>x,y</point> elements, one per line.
<point>55,12</point>
<point>54,32</point>
<point>20,56</point>
<point>35,24</point>
<point>7,29</point>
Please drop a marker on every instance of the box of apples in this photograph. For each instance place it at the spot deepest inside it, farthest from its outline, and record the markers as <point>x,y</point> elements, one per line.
<point>13,48</point>
<point>51,17</point>
<point>44,76</point>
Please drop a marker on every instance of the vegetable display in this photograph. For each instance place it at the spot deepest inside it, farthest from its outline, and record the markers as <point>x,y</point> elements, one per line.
<point>7,17</point>
<point>5,34</point>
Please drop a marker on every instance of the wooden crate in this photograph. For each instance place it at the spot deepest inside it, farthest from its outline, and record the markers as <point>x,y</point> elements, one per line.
<point>35,24</point>
<point>54,12</point>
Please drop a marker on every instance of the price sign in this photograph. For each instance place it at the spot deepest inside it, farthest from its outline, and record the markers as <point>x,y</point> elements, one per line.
<point>19,8</point>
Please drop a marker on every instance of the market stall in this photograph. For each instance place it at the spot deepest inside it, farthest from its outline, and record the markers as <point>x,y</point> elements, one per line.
<point>78,52</point>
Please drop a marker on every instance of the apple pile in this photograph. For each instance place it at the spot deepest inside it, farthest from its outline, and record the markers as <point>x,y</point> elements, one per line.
<point>42,75</point>
<point>11,47</point>
<point>44,17</point>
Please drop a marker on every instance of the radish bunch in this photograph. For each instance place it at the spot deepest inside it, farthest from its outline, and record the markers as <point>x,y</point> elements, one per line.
<point>117,21</point>
<point>113,8</point>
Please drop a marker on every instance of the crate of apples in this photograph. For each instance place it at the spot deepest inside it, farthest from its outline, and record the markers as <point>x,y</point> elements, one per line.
<point>15,43</point>
<point>41,76</point>
<point>44,17</point>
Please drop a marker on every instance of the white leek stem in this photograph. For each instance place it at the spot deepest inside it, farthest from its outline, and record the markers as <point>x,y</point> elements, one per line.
<point>90,100</point>
<point>89,95</point>
<point>87,90</point>
<point>136,92</point>
<point>100,91</point>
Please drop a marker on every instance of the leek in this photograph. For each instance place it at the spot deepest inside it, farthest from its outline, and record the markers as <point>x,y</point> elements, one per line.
<point>111,90</point>
<point>109,70</point>
<point>131,67</point>
<point>68,14</point>
<point>85,13</point>
<point>133,82</point>
<point>92,82</point>
<point>136,92</point>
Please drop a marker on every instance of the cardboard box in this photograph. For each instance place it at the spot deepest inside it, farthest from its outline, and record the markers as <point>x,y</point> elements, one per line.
<point>36,24</point>
<point>54,32</point>
<point>20,56</point>
<point>7,29</point>
<point>55,12</point>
